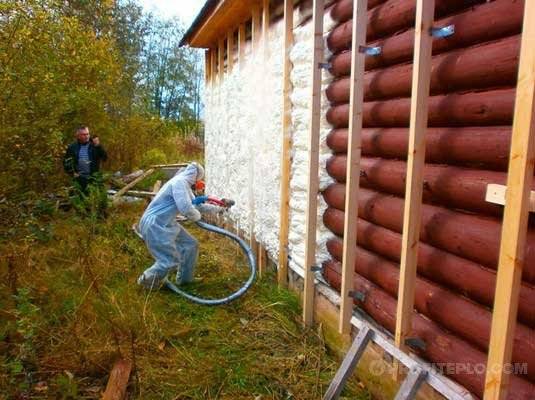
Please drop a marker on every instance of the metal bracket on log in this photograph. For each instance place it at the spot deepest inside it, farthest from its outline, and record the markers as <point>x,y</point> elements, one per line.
<point>416,343</point>
<point>357,295</point>
<point>370,51</point>
<point>316,268</point>
<point>496,194</point>
<point>443,32</point>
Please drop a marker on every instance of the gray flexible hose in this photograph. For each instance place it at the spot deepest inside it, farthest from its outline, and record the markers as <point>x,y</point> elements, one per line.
<point>238,293</point>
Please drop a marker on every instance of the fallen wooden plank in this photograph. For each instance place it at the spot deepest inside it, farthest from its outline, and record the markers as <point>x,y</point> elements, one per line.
<point>131,184</point>
<point>176,165</point>
<point>118,381</point>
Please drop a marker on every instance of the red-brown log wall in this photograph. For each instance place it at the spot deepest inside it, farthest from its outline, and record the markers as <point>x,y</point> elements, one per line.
<point>442,346</point>
<point>471,106</point>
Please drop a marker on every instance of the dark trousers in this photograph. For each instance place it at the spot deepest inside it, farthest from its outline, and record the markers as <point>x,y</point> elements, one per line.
<point>83,182</point>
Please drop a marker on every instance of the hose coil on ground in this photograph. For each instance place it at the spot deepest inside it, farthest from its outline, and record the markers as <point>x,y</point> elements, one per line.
<point>238,293</point>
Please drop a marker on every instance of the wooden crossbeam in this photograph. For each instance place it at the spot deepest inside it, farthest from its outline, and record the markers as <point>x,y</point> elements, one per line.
<point>415,164</point>
<point>349,363</point>
<point>353,163</point>
<point>515,217</point>
<point>313,165</point>
<point>286,158</point>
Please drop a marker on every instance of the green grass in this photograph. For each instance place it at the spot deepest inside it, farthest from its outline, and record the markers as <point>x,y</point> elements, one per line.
<point>69,307</point>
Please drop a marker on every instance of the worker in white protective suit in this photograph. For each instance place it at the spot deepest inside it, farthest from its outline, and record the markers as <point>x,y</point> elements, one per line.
<point>173,248</point>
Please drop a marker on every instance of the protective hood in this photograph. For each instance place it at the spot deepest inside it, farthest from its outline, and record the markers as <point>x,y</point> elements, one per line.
<point>192,173</point>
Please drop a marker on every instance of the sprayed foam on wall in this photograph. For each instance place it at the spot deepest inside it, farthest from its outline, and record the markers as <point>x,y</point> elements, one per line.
<point>301,57</point>
<point>243,140</point>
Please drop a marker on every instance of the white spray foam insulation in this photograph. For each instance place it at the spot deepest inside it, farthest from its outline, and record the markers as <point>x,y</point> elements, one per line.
<point>243,139</point>
<point>302,57</point>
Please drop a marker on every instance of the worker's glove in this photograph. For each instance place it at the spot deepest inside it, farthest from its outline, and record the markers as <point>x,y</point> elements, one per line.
<point>194,215</point>
<point>227,203</point>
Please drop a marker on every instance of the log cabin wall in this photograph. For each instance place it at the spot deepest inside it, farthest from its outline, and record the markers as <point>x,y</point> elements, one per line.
<point>467,147</point>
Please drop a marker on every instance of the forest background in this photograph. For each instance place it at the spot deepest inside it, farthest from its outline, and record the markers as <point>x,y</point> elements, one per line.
<point>107,64</point>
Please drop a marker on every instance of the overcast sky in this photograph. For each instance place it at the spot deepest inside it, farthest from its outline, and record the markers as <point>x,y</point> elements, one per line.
<point>187,10</point>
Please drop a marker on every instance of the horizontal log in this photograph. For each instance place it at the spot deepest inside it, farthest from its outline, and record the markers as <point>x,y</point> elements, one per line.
<point>493,107</point>
<point>482,23</point>
<point>466,319</point>
<point>441,346</point>
<point>480,147</point>
<point>482,66</point>
<point>390,17</point>
<point>343,9</point>
<point>458,274</point>
<point>473,237</point>
<point>452,187</point>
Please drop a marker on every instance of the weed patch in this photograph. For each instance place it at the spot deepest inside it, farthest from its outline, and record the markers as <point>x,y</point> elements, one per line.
<point>70,307</point>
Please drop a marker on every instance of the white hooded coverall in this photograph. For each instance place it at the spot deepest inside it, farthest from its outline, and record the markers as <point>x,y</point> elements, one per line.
<point>169,243</point>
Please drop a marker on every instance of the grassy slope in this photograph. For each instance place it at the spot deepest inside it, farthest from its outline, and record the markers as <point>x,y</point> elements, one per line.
<point>69,307</point>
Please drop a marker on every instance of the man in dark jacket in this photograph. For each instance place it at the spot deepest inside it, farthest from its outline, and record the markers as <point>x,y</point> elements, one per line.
<point>82,158</point>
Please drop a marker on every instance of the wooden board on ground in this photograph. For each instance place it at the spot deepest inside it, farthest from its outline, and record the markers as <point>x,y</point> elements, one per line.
<point>118,381</point>
<point>131,185</point>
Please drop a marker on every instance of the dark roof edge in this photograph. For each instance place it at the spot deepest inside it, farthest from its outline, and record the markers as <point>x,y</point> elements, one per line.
<point>205,10</point>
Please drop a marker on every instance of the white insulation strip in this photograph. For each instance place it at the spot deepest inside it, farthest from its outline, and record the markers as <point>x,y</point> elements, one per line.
<point>243,139</point>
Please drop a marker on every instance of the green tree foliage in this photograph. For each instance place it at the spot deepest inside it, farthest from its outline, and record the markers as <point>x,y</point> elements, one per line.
<point>103,63</point>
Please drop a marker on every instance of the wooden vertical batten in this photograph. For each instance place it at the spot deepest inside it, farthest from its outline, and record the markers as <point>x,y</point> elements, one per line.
<point>415,163</point>
<point>286,158</point>
<point>221,60</point>
<point>313,164</point>
<point>230,51</point>
<point>515,219</point>
<point>353,163</point>
<point>241,45</point>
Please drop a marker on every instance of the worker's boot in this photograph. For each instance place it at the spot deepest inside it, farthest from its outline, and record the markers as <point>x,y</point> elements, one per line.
<point>150,282</point>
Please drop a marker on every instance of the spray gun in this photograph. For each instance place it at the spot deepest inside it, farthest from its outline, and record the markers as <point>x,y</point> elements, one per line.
<point>225,203</point>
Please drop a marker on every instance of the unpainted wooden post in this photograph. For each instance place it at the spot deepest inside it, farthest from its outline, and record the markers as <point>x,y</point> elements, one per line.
<point>241,45</point>
<point>313,165</point>
<point>353,163</point>
<point>515,217</point>
<point>286,159</point>
<point>207,65</point>
<point>256,23</point>
<point>213,58</point>
<point>221,61</point>
<point>415,164</point>
<point>230,51</point>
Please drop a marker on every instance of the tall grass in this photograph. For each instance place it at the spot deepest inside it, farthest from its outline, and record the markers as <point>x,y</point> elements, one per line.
<point>69,307</point>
